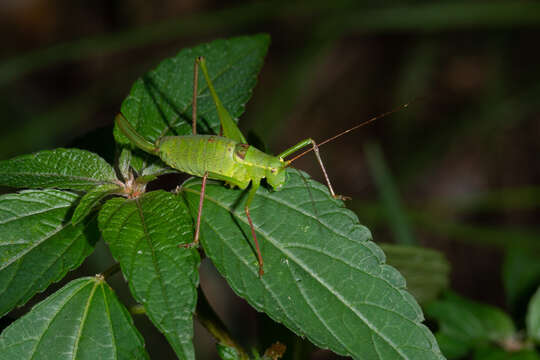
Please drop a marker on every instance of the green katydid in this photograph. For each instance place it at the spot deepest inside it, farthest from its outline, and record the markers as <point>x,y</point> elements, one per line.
<point>228,158</point>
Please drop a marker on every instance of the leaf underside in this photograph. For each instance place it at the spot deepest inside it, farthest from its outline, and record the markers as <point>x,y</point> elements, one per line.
<point>39,245</point>
<point>143,235</point>
<point>83,320</point>
<point>324,277</point>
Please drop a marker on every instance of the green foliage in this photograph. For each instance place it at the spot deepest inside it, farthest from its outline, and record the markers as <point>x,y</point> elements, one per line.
<point>227,353</point>
<point>469,323</point>
<point>521,275</point>
<point>427,271</point>
<point>91,199</point>
<point>533,317</point>
<point>143,235</point>
<point>38,243</point>
<point>159,103</point>
<point>325,278</point>
<point>389,195</point>
<point>83,320</point>
<point>494,353</point>
<point>61,168</point>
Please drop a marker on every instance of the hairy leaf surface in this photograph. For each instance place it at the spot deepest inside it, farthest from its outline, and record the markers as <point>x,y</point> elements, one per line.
<point>60,168</point>
<point>83,320</point>
<point>39,244</point>
<point>324,277</point>
<point>143,235</point>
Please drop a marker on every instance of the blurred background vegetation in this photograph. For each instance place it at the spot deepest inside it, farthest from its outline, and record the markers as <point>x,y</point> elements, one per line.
<point>458,171</point>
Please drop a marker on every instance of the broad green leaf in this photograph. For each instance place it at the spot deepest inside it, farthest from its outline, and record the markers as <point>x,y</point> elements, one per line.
<point>521,276</point>
<point>83,320</point>
<point>143,235</point>
<point>60,168</point>
<point>533,317</point>
<point>427,271</point>
<point>91,199</point>
<point>324,277</point>
<point>470,322</point>
<point>159,102</point>
<point>38,243</point>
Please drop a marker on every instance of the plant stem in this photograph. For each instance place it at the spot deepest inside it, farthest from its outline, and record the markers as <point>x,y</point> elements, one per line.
<point>211,321</point>
<point>111,270</point>
<point>137,310</point>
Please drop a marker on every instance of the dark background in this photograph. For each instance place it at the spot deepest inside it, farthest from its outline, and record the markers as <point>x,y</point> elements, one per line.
<point>464,157</point>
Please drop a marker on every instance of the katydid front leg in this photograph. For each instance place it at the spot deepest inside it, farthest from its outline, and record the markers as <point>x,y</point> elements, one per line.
<point>310,142</point>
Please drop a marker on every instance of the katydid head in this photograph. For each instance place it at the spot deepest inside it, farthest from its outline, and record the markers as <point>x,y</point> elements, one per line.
<point>276,175</point>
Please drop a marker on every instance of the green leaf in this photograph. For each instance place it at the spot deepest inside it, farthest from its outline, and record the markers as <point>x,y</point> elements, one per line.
<point>38,243</point>
<point>143,235</point>
<point>60,168</point>
<point>227,352</point>
<point>533,317</point>
<point>521,276</point>
<point>91,199</point>
<point>124,163</point>
<point>427,271</point>
<point>324,277</point>
<point>83,320</point>
<point>389,195</point>
<point>470,322</point>
<point>451,347</point>
<point>159,103</point>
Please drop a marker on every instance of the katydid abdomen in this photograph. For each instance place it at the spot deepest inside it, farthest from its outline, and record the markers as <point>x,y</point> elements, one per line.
<point>219,157</point>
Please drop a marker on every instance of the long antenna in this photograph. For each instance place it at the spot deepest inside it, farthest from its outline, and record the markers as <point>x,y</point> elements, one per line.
<point>363,123</point>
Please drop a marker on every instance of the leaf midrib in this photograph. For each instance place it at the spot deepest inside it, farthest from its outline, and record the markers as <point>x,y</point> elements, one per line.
<point>83,321</point>
<point>67,300</point>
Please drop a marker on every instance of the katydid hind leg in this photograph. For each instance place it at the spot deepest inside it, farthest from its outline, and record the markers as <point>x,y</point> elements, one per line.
<point>228,126</point>
<point>251,195</point>
<point>199,214</point>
